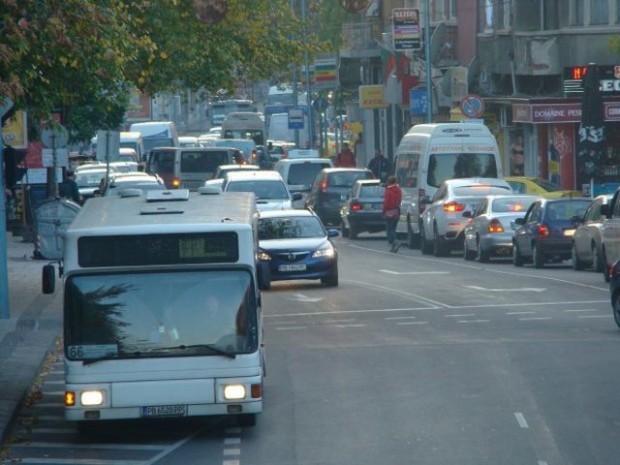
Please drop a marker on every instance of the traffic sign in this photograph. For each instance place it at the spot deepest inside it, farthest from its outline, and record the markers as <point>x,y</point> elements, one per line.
<point>55,138</point>
<point>295,118</point>
<point>472,106</point>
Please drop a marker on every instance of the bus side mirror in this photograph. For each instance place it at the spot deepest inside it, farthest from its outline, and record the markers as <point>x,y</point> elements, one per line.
<point>49,279</point>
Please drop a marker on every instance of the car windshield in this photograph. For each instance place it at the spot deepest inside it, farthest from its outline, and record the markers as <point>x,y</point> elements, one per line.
<point>444,166</point>
<point>274,190</point>
<point>123,315</point>
<point>290,228</point>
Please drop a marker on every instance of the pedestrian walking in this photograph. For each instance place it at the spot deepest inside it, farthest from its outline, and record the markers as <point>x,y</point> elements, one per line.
<point>345,158</point>
<point>69,188</point>
<point>391,211</point>
<point>380,166</point>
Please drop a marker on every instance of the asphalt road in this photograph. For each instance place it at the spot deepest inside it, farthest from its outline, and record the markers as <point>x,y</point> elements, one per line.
<point>411,360</point>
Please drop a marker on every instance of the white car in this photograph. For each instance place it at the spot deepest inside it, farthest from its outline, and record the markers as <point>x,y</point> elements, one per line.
<point>268,187</point>
<point>443,221</point>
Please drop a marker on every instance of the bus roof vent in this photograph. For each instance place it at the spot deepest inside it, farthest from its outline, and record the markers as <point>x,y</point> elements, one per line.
<point>125,193</point>
<point>160,210</point>
<point>209,190</point>
<point>167,195</point>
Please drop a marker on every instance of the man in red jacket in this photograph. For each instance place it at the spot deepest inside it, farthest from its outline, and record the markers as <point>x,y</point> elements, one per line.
<point>391,211</point>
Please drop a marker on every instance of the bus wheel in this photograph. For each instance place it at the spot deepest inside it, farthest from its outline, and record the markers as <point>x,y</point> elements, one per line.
<point>246,420</point>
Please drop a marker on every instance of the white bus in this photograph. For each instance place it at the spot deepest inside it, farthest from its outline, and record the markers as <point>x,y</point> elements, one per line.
<point>220,108</point>
<point>245,125</point>
<point>162,314</point>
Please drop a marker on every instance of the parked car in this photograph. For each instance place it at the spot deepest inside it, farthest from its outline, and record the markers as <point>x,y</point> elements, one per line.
<point>541,187</point>
<point>610,233</point>
<point>330,189</point>
<point>297,246</point>
<point>362,212</point>
<point>268,187</point>
<point>488,232</point>
<point>587,240</point>
<point>443,220</point>
<point>546,232</point>
<point>89,181</point>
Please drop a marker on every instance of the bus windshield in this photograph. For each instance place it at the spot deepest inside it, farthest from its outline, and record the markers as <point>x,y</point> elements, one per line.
<point>155,314</point>
<point>154,142</point>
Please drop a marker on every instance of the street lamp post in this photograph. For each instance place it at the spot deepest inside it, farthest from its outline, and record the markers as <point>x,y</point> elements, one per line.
<point>427,55</point>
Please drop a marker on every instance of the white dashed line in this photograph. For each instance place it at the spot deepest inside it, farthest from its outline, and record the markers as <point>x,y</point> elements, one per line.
<point>535,318</point>
<point>520,313</point>
<point>404,323</point>
<point>232,452</point>
<point>582,310</point>
<point>521,420</point>
<point>462,315</point>
<point>353,325</point>
<point>230,462</point>
<point>473,321</point>
<point>400,317</point>
<point>287,328</point>
<point>232,441</point>
<point>594,316</point>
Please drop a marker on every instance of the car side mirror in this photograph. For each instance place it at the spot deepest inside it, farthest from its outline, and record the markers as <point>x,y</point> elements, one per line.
<point>605,211</point>
<point>468,214</point>
<point>520,221</point>
<point>425,199</point>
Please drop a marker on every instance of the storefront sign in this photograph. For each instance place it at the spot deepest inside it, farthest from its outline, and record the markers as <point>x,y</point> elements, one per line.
<point>558,113</point>
<point>609,79</point>
<point>406,28</point>
<point>372,97</point>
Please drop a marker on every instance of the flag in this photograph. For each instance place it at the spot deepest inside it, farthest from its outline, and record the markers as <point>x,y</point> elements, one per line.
<point>591,128</point>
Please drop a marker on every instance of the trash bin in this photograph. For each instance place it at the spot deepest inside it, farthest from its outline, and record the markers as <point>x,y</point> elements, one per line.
<point>51,219</point>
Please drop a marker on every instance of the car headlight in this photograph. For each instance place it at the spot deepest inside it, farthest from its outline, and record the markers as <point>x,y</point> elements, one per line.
<point>90,398</point>
<point>327,251</point>
<point>263,256</point>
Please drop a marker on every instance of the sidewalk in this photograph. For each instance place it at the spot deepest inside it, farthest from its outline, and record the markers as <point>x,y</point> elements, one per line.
<point>27,337</point>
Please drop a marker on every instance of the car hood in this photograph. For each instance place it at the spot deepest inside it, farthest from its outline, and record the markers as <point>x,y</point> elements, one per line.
<point>311,243</point>
<point>266,204</point>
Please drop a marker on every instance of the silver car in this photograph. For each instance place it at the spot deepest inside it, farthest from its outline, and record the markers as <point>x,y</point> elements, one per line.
<point>587,249</point>
<point>488,232</point>
<point>443,220</point>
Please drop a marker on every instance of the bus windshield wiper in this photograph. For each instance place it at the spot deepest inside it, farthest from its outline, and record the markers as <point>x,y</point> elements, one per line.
<point>201,346</point>
<point>90,361</point>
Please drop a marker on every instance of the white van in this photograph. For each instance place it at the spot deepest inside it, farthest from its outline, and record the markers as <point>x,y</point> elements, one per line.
<point>133,140</point>
<point>157,134</point>
<point>278,129</point>
<point>299,174</point>
<point>244,125</point>
<point>247,147</point>
<point>432,153</point>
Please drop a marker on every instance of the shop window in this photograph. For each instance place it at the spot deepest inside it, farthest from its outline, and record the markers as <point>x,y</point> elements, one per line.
<point>577,17</point>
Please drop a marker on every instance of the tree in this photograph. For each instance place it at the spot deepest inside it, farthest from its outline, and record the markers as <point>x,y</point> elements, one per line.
<point>82,57</point>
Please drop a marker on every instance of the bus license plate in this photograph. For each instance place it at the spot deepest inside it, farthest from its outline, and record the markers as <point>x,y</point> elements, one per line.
<point>297,267</point>
<point>165,411</point>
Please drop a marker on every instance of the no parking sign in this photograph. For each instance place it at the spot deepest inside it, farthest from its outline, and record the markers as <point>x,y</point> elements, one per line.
<point>472,106</point>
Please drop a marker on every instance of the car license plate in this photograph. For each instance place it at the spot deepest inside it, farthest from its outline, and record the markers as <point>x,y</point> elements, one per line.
<point>296,267</point>
<point>165,411</point>
<point>569,232</point>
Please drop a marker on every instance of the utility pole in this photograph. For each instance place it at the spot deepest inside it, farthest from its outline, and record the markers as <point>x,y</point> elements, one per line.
<point>5,105</point>
<point>304,17</point>
<point>429,65</point>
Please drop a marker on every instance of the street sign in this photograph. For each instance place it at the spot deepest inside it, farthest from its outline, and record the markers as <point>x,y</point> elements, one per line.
<point>295,118</point>
<point>62,157</point>
<point>418,102</point>
<point>406,28</point>
<point>55,138</point>
<point>472,106</point>
<point>108,145</point>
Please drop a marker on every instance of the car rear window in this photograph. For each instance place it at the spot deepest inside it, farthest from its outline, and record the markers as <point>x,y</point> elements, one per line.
<point>511,205</point>
<point>481,190</point>
<point>275,190</point>
<point>347,178</point>
<point>304,173</point>
<point>371,191</point>
<point>566,210</point>
<point>202,162</point>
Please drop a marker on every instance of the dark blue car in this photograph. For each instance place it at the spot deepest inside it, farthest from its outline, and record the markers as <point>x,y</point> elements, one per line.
<point>546,232</point>
<point>295,245</point>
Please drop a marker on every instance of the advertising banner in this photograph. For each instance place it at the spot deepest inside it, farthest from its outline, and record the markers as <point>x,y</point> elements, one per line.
<point>406,28</point>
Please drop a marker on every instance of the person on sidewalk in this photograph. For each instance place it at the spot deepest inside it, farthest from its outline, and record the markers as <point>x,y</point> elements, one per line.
<point>345,158</point>
<point>69,188</point>
<point>391,211</point>
<point>379,165</point>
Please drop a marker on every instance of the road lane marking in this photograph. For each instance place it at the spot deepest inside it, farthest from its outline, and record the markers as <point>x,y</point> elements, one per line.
<point>400,317</point>
<point>404,323</point>
<point>535,318</point>
<point>460,315</point>
<point>582,310</point>
<point>230,462</point>
<point>232,452</point>
<point>232,441</point>
<point>351,325</point>
<point>413,272</point>
<point>348,320</point>
<point>73,445</point>
<point>304,298</point>
<point>594,316</point>
<point>290,328</point>
<point>516,289</point>
<point>521,420</point>
<point>520,313</point>
<point>473,321</point>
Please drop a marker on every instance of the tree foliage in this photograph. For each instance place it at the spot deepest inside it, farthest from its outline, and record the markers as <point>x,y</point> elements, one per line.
<point>82,57</point>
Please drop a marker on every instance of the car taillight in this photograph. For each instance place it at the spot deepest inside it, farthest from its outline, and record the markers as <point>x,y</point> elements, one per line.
<point>253,155</point>
<point>543,231</point>
<point>452,207</point>
<point>323,185</point>
<point>356,206</point>
<point>495,226</point>
<point>176,183</point>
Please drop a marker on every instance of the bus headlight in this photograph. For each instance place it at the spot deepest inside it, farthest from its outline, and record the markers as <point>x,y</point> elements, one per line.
<point>89,398</point>
<point>234,392</point>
